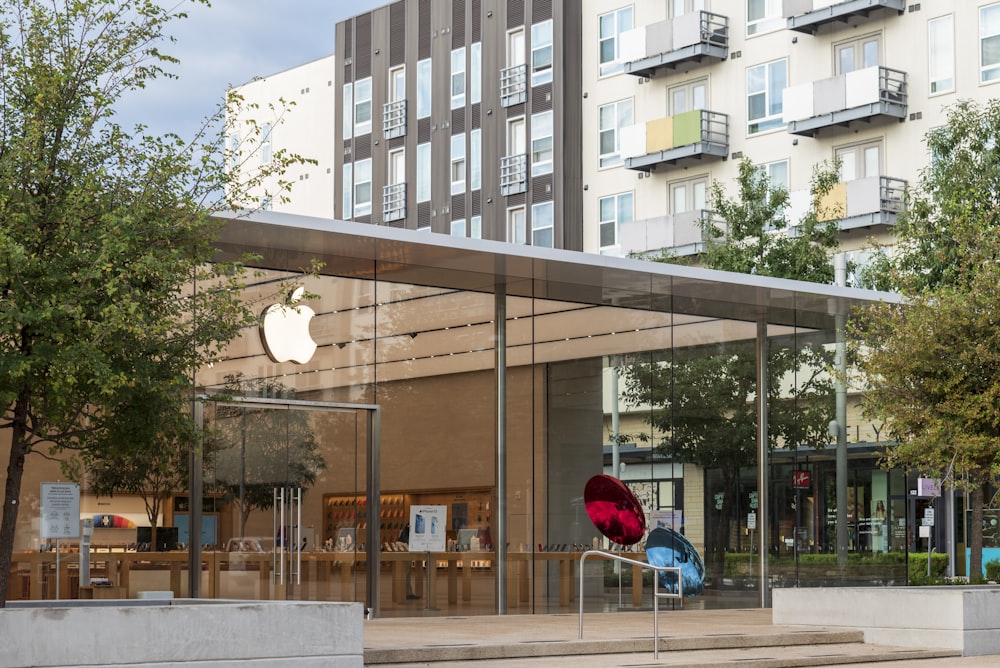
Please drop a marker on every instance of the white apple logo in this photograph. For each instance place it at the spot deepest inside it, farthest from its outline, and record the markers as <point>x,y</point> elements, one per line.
<point>284,330</point>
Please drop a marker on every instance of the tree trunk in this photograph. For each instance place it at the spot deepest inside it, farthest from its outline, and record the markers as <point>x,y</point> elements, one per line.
<point>976,538</point>
<point>11,505</point>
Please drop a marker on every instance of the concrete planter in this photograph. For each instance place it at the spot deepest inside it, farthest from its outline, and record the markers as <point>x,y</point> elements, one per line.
<point>171,633</point>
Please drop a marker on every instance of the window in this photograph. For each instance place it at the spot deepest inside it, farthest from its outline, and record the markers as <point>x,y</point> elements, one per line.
<point>860,161</point>
<point>989,43</point>
<point>458,228</point>
<point>681,7</point>
<point>764,85</point>
<point>234,151</point>
<point>265,143</point>
<point>458,78</point>
<point>941,55</point>
<point>348,106</point>
<point>688,97</point>
<point>858,54</point>
<point>541,143</point>
<point>764,16</point>
<point>347,191</point>
<point>515,136</point>
<point>541,53</point>
<point>516,220</point>
<point>777,174</point>
<point>611,119</point>
<point>614,210</point>
<point>457,164</point>
<point>476,78</point>
<point>688,196</point>
<point>515,48</point>
<point>610,28</point>
<point>476,227</point>
<point>363,187</point>
<point>475,159</point>
<point>265,203</point>
<point>424,88</point>
<point>397,166</point>
<point>423,180</point>
<point>397,84</point>
<point>363,106</point>
<point>542,224</point>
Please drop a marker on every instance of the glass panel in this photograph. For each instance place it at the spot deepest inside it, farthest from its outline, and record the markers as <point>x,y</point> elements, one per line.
<point>848,164</point>
<point>872,161</point>
<point>679,199</point>
<point>870,48</point>
<point>698,189</point>
<point>698,95</point>
<point>678,101</point>
<point>424,88</point>
<point>845,59</point>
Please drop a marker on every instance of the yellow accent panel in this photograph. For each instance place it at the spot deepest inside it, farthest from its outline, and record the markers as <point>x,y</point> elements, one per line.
<point>659,135</point>
<point>833,204</point>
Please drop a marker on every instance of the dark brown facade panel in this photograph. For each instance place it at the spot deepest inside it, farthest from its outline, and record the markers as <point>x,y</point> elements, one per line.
<point>517,200</point>
<point>515,13</point>
<point>348,73</point>
<point>541,98</point>
<point>347,45</point>
<point>363,52</point>
<point>541,10</point>
<point>458,207</point>
<point>423,130</point>
<point>457,121</point>
<point>542,188</point>
<point>395,142</point>
<point>401,223</point>
<point>475,21</point>
<point>475,117</point>
<point>423,214</point>
<point>424,30</point>
<point>457,23</point>
<point>397,32</point>
<point>363,147</point>
<point>476,205</point>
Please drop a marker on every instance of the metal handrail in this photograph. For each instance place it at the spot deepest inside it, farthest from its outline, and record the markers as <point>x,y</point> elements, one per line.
<point>656,591</point>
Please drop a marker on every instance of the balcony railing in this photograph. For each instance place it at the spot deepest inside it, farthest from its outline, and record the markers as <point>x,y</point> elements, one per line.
<point>394,119</point>
<point>864,203</point>
<point>808,15</point>
<point>394,202</point>
<point>688,39</point>
<point>694,134</point>
<point>513,85</point>
<point>862,95</point>
<point>681,233</point>
<point>513,174</point>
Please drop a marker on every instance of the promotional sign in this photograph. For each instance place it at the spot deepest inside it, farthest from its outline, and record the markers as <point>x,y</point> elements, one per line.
<point>427,528</point>
<point>801,479</point>
<point>928,487</point>
<point>60,510</point>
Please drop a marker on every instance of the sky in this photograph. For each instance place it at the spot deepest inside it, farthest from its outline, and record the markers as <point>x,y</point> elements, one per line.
<point>229,44</point>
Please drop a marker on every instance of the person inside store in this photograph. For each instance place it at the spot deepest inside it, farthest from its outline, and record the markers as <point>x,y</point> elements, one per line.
<point>404,538</point>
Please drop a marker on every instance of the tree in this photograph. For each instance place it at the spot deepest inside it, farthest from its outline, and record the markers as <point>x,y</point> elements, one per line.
<point>258,449</point>
<point>928,369</point>
<point>704,399</point>
<point>106,238</point>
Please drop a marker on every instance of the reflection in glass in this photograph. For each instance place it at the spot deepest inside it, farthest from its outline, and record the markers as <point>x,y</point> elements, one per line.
<point>666,547</point>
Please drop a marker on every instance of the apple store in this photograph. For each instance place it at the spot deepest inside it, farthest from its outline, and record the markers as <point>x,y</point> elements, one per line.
<point>416,431</point>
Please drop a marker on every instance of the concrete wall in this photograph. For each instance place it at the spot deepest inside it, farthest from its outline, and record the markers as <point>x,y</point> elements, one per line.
<point>178,633</point>
<point>963,618</point>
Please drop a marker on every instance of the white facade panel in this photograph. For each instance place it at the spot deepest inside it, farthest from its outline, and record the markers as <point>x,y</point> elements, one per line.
<point>862,87</point>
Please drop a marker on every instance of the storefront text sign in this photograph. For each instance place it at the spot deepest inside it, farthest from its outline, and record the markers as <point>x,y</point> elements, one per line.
<point>60,510</point>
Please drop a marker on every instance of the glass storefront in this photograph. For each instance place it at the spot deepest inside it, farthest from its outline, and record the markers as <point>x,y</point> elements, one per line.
<point>461,396</point>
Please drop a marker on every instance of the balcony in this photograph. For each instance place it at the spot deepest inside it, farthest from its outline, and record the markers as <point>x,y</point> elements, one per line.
<point>692,135</point>
<point>513,174</point>
<point>808,15</point>
<point>681,233</point>
<point>394,202</point>
<point>688,39</point>
<point>862,95</point>
<point>394,119</point>
<point>513,85</point>
<point>864,203</point>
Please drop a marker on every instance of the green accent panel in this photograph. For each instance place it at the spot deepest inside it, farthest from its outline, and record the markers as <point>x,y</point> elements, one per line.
<point>687,128</point>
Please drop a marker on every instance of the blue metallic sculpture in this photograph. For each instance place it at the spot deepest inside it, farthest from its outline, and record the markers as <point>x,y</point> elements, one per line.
<point>666,547</point>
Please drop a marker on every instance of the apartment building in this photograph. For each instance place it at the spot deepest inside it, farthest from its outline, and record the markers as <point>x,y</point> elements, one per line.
<point>677,92</point>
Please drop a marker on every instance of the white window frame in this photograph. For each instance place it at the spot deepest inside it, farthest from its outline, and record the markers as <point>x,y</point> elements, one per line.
<point>476,73</point>
<point>941,55</point>
<point>424,75</point>
<point>682,7</point>
<point>363,187</point>
<point>610,27</point>
<point>772,98</point>
<point>517,220</point>
<point>542,143</point>
<point>515,47</point>
<point>348,110</point>
<point>265,144</point>
<point>458,77</point>
<point>613,206</point>
<point>423,176</point>
<point>347,191</point>
<point>459,166</point>
<point>397,84</point>
<point>619,115</point>
<point>543,224</point>
<point>542,52</point>
<point>475,159</point>
<point>689,88</point>
<point>770,21</point>
<point>476,227</point>
<point>858,60</point>
<point>988,73</point>
<point>363,106</point>
<point>458,228</point>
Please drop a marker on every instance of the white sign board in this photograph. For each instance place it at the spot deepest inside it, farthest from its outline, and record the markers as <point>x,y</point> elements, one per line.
<point>751,520</point>
<point>928,487</point>
<point>427,528</point>
<point>673,519</point>
<point>60,510</point>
